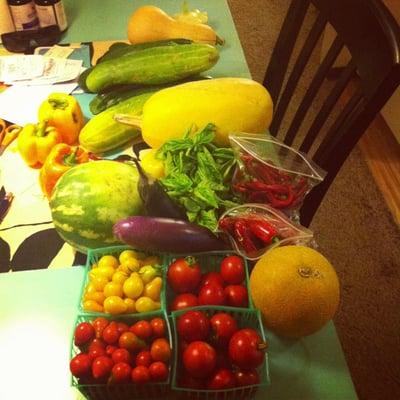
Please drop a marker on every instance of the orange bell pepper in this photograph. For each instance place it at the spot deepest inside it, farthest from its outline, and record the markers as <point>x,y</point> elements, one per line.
<point>61,158</point>
<point>36,141</point>
<point>64,112</point>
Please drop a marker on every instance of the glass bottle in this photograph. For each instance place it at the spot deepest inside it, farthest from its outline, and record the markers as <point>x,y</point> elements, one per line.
<point>51,12</point>
<point>23,14</point>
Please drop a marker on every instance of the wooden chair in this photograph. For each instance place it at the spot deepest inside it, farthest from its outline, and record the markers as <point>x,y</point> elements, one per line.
<point>372,37</point>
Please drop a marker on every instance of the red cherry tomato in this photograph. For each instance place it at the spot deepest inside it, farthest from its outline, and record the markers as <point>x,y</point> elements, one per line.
<point>236,296</point>
<point>245,349</point>
<point>184,300</point>
<point>142,329</point>
<point>212,295</point>
<point>193,325</point>
<point>99,325</point>
<point>84,333</point>
<point>159,327</point>
<point>222,379</point>
<point>199,359</point>
<point>184,275</point>
<point>110,333</point>
<point>160,350</point>
<point>140,374</point>
<point>247,378</point>
<point>110,349</point>
<point>121,355</point>
<point>232,270</point>
<point>144,358</point>
<point>122,327</point>
<point>101,367</point>
<point>223,326</point>
<point>121,372</point>
<point>211,278</point>
<point>96,351</point>
<point>128,340</point>
<point>97,343</point>
<point>158,371</point>
<point>80,365</point>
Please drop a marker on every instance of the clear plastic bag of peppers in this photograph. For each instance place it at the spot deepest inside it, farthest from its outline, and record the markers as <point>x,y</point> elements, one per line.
<point>272,173</point>
<point>252,229</point>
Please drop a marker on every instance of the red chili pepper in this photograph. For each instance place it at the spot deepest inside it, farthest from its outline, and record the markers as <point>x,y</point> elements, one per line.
<point>277,201</point>
<point>227,224</point>
<point>263,230</point>
<point>242,235</point>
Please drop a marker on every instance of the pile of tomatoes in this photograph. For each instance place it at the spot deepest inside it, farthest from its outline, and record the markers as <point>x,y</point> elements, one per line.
<point>115,352</point>
<point>215,353</point>
<point>224,287</point>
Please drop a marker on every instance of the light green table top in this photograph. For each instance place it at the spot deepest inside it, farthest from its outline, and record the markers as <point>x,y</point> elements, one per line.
<point>37,315</point>
<point>38,308</point>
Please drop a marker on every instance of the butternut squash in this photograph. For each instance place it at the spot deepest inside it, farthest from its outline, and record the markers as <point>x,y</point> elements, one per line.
<point>232,104</point>
<point>150,23</point>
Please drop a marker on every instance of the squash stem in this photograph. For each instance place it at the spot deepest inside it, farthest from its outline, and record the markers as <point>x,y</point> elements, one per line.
<point>128,120</point>
<point>219,40</point>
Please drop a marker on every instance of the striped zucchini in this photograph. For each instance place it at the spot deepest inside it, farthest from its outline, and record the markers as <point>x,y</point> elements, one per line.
<point>103,134</point>
<point>153,66</point>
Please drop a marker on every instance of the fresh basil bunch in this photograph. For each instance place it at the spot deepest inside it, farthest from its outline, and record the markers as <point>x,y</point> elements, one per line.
<point>198,175</point>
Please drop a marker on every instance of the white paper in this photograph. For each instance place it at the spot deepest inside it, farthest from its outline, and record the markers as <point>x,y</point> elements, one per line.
<point>19,104</point>
<point>14,68</point>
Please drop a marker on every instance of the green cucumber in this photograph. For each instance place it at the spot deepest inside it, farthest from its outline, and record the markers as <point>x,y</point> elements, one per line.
<point>121,49</point>
<point>153,66</point>
<point>114,96</point>
<point>103,134</point>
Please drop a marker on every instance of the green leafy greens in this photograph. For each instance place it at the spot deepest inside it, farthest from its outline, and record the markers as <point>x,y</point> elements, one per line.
<point>198,175</point>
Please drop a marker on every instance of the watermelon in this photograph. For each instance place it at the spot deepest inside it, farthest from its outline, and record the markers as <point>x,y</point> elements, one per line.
<point>90,198</point>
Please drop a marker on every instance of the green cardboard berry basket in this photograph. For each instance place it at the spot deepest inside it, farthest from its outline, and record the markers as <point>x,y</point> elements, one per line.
<point>128,391</point>
<point>209,262</point>
<point>94,256</point>
<point>246,318</point>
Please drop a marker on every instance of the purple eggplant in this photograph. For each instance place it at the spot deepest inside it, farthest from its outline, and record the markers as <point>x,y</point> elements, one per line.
<point>166,235</point>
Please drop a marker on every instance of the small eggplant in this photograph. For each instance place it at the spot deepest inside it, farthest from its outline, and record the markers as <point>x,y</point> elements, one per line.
<point>166,235</point>
<point>155,199</point>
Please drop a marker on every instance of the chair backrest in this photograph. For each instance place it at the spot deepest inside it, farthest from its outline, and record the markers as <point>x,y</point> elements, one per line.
<point>372,37</point>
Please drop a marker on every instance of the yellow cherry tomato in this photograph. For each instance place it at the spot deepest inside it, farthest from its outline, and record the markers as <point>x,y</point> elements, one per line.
<point>106,271</point>
<point>133,286</point>
<point>91,305</point>
<point>90,288</point>
<point>119,277</point>
<point>98,297</point>
<point>108,261</point>
<point>127,254</point>
<point>153,289</point>
<point>99,281</point>
<point>93,272</point>
<point>146,304</point>
<point>113,289</point>
<point>114,305</point>
<point>131,305</point>
<point>148,273</point>
<point>130,265</point>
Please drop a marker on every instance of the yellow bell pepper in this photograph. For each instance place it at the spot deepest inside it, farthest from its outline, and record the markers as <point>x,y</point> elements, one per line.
<point>63,112</point>
<point>36,141</point>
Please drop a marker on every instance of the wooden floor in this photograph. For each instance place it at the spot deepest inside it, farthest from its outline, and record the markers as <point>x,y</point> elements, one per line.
<point>381,151</point>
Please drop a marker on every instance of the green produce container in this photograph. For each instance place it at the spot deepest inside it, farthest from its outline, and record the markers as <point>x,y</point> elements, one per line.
<point>128,391</point>
<point>94,256</point>
<point>246,318</point>
<point>209,262</point>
